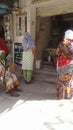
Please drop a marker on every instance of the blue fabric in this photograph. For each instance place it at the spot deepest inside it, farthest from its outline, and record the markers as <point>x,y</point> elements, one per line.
<point>3,9</point>
<point>27,42</point>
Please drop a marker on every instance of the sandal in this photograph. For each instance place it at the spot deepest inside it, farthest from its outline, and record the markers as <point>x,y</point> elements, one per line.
<point>18,89</point>
<point>13,94</point>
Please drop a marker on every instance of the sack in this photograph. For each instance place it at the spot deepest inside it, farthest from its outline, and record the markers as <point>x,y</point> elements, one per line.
<point>67,50</point>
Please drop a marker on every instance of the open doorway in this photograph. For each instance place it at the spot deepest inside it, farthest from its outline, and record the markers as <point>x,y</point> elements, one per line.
<point>59,24</point>
<point>50,31</point>
<point>2,27</point>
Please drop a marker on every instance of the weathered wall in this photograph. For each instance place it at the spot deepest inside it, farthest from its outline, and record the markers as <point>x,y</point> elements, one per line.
<point>30,12</point>
<point>43,34</point>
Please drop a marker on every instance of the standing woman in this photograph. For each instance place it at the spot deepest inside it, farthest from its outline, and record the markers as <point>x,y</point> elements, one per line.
<point>29,55</point>
<point>64,51</point>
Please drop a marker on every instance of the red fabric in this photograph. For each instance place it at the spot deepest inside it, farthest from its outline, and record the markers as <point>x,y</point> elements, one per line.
<point>62,61</point>
<point>70,40</point>
<point>3,46</point>
<point>55,60</point>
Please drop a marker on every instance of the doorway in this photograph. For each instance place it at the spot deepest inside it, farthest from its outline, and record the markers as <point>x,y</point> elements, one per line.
<point>59,24</point>
<point>2,27</point>
<point>50,31</point>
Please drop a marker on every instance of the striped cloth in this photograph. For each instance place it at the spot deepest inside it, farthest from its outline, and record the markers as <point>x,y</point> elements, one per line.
<point>27,60</point>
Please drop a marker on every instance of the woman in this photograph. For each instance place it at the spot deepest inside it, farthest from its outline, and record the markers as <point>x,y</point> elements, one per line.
<point>29,55</point>
<point>65,66</point>
<point>9,79</point>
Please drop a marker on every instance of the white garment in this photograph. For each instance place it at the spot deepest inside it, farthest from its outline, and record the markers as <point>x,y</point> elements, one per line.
<point>27,60</point>
<point>68,34</point>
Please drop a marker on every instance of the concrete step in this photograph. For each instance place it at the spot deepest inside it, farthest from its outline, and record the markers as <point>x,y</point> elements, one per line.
<point>45,79</point>
<point>46,74</point>
<point>50,71</point>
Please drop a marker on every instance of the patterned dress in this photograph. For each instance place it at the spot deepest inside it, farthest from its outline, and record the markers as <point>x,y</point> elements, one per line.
<point>65,70</point>
<point>9,79</point>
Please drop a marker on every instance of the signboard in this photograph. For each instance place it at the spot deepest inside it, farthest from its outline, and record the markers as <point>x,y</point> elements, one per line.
<point>18,53</point>
<point>20,24</point>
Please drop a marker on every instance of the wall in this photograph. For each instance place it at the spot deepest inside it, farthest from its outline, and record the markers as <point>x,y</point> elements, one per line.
<point>38,20</point>
<point>22,6</point>
<point>43,34</point>
<point>38,27</point>
<point>29,12</point>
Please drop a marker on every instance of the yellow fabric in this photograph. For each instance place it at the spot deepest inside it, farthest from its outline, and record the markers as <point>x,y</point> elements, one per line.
<point>65,78</point>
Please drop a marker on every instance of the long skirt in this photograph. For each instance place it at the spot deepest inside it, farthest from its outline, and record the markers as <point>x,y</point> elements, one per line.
<point>64,84</point>
<point>64,88</point>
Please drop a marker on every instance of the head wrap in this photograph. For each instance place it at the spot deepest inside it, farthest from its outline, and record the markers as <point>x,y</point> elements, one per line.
<point>66,46</point>
<point>68,35</point>
<point>27,42</point>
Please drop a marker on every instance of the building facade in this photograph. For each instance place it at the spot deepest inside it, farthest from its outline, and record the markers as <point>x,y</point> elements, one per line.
<point>42,19</point>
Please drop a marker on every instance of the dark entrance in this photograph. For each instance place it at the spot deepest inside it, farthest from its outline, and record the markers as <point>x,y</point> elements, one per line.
<point>60,24</point>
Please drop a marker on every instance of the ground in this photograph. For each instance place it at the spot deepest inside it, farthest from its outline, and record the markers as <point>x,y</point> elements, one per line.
<point>37,108</point>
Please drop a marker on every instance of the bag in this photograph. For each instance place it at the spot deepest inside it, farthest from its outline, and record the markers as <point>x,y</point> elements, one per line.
<point>37,64</point>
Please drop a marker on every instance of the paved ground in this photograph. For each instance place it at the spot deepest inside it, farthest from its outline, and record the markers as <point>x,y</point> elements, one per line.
<point>36,109</point>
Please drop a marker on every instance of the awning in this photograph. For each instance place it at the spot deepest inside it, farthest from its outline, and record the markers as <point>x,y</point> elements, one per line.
<point>4,9</point>
<point>6,6</point>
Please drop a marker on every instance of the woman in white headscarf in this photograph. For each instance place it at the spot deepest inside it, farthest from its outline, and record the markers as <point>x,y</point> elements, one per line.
<point>65,66</point>
<point>29,55</point>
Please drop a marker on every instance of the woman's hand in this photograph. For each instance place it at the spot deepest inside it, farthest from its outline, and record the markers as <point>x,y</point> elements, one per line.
<point>6,66</point>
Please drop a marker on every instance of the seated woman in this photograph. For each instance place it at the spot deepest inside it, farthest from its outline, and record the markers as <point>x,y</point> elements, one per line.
<point>9,79</point>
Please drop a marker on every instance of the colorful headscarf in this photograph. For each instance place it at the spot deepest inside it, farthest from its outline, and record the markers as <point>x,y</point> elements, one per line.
<point>66,46</point>
<point>27,42</point>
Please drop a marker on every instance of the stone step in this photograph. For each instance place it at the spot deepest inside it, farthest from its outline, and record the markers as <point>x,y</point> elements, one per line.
<point>50,71</point>
<point>49,81</point>
<point>46,74</point>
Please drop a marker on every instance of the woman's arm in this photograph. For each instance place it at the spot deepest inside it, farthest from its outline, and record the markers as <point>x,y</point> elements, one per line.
<point>34,51</point>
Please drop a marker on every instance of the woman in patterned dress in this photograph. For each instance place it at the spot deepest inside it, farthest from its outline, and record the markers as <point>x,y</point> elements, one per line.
<point>29,55</point>
<point>65,66</point>
<point>9,79</point>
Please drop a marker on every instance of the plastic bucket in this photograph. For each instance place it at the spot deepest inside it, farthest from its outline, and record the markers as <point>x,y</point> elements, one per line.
<point>38,64</point>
